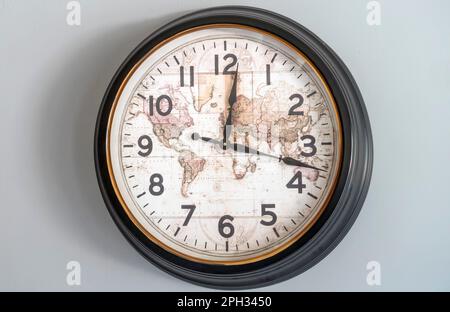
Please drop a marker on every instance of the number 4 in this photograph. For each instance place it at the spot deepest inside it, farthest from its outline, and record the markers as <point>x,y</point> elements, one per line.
<point>299,185</point>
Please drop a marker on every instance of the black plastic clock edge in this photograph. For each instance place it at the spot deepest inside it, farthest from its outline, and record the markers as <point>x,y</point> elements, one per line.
<point>352,186</point>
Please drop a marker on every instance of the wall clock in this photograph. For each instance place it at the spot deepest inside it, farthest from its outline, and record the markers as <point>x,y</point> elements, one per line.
<point>233,149</point>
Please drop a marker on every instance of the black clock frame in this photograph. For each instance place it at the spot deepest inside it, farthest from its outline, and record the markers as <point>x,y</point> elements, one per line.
<point>349,194</point>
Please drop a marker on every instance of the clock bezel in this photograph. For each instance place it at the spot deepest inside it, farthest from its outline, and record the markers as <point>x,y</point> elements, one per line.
<point>280,247</point>
<point>304,251</point>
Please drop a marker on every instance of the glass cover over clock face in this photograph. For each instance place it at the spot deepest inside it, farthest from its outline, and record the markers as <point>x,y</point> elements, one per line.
<point>224,144</point>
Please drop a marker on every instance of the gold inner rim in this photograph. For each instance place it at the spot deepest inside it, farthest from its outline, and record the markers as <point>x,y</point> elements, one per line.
<point>287,243</point>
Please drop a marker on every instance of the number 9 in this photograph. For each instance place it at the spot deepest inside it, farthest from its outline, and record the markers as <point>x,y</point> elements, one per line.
<point>146,144</point>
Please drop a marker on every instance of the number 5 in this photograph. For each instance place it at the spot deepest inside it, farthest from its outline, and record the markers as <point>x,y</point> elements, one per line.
<point>265,212</point>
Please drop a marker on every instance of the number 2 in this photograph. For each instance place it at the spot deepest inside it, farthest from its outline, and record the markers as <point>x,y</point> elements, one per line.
<point>292,110</point>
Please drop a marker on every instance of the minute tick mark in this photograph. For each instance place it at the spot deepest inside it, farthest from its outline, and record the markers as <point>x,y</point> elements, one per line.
<point>276,232</point>
<point>140,195</point>
<point>311,94</point>
<point>274,57</point>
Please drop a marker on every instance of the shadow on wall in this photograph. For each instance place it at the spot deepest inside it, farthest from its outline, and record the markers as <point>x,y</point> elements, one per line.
<point>67,124</point>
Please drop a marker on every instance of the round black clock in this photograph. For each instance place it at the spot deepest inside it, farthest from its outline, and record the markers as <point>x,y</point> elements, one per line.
<point>233,148</point>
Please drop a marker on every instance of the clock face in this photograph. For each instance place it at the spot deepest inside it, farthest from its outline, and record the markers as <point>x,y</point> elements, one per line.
<point>224,144</point>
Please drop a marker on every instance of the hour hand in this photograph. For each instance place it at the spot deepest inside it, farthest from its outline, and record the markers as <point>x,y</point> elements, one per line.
<point>231,146</point>
<point>248,150</point>
<point>294,162</point>
<point>195,136</point>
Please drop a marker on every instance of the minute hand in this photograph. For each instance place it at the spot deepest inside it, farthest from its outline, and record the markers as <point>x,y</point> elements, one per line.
<point>248,150</point>
<point>231,101</point>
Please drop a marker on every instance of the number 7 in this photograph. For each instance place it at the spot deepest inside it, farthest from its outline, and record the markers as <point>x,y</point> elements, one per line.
<point>190,212</point>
